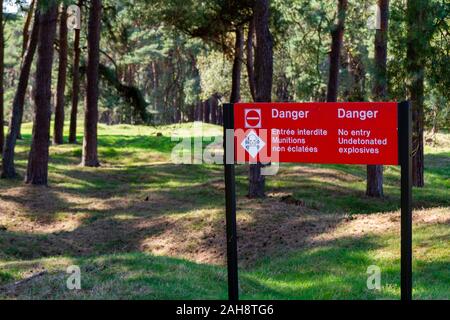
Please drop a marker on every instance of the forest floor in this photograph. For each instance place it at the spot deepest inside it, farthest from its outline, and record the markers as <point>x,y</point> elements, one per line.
<point>141,227</point>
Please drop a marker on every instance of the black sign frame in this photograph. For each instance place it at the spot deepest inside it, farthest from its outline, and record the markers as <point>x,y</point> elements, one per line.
<point>405,162</point>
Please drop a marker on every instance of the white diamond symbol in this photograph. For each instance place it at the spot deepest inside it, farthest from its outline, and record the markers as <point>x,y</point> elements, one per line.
<point>253,144</point>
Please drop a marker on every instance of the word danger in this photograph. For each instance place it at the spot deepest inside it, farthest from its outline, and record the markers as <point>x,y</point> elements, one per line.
<point>357,114</point>
<point>289,114</point>
<point>342,114</point>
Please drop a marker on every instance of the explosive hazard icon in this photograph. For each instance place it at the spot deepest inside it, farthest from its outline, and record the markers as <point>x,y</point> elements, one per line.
<point>253,144</point>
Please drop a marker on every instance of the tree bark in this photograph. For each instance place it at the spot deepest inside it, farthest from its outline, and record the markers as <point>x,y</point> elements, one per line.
<point>250,59</point>
<point>206,111</point>
<point>417,45</point>
<point>337,38</point>
<point>198,112</point>
<point>2,71</point>
<point>375,173</point>
<point>155,77</point>
<point>26,28</point>
<point>263,82</point>
<point>8,169</point>
<point>37,172</point>
<point>90,153</point>
<point>58,132</point>
<point>191,113</point>
<point>75,84</point>
<point>220,116</point>
<point>26,39</point>
<point>178,115</point>
<point>263,53</point>
<point>237,66</point>
<point>214,105</point>
<point>282,89</point>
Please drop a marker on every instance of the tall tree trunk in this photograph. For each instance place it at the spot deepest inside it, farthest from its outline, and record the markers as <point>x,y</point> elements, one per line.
<point>26,39</point>
<point>417,45</point>
<point>206,111</point>
<point>75,83</point>
<point>155,76</point>
<point>220,116</point>
<point>26,28</point>
<point>263,81</point>
<point>90,153</point>
<point>337,38</point>
<point>58,133</point>
<point>8,169</point>
<point>214,106</point>
<point>375,173</point>
<point>2,71</point>
<point>356,88</point>
<point>178,115</point>
<point>282,89</point>
<point>237,67</point>
<point>37,172</point>
<point>191,113</point>
<point>198,111</point>
<point>250,58</point>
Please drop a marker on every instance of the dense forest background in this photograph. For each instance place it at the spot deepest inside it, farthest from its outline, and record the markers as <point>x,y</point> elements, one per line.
<point>175,70</point>
<point>175,61</point>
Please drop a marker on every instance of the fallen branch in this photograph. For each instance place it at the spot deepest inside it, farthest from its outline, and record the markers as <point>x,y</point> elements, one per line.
<point>11,287</point>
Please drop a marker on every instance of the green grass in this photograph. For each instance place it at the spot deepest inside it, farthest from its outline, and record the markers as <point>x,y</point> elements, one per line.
<point>90,217</point>
<point>338,270</point>
<point>334,271</point>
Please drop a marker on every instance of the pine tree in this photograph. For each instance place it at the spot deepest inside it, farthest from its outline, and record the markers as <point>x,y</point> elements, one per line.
<point>263,81</point>
<point>337,38</point>
<point>375,173</point>
<point>37,171</point>
<point>58,133</point>
<point>75,83</point>
<point>8,168</point>
<point>90,152</point>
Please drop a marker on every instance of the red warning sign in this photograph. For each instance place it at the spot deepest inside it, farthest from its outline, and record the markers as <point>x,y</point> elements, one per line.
<point>341,133</point>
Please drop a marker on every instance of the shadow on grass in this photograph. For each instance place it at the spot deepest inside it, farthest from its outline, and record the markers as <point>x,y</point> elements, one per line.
<point>329,188</point>
<point>174,190</point>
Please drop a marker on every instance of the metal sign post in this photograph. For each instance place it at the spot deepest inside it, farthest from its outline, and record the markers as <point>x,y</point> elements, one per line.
<point>230,200</point>
<point>405,156</point>
<point>388,156</point>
